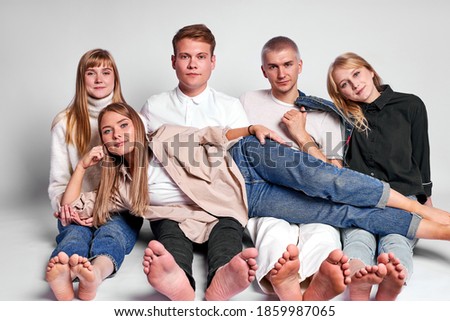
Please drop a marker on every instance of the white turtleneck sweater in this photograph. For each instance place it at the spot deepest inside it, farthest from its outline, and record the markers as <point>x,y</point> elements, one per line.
<point>64,157</point>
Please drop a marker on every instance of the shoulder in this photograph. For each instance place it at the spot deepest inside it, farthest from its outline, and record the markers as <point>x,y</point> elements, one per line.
<point>60,120</point>
<point>408,100</point>
<point>220,96</point>
<point>161,96</point>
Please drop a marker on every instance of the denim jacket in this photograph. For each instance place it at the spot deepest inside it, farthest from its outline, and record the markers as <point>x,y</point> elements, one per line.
<point>317,103</point>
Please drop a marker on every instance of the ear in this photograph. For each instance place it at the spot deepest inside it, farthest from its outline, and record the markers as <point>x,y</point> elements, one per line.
<point>173,59</point>
<point>263,71</point>
<point>213,62</point>
<point>300,66</point>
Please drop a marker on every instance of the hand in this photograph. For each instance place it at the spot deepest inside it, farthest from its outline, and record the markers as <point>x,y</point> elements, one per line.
<point>295,121</point>
<point>93,157</point>
<point>261,132</point>
<point>64,214</point>
<point>429,202</point>
<point>81,220</point>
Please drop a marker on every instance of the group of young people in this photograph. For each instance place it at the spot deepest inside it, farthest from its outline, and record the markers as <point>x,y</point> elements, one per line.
<point>329,196</point>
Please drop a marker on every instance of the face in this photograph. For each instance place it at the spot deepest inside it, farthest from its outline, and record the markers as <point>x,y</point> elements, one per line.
<point>99,81</point>
<point>193,64</point>
<point>117,133</point>
<point>282,68</point>
<point>356,84</point>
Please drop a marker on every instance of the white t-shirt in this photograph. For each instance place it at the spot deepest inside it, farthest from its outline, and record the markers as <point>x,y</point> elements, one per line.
<point>262,108</point>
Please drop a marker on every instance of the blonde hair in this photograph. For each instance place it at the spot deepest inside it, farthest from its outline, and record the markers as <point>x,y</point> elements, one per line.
<point>110,177</point>
<point>350,108</point>
<point>78,125</point>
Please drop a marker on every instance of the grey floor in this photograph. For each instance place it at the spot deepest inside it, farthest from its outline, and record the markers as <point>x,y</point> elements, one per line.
<point>27,239</point>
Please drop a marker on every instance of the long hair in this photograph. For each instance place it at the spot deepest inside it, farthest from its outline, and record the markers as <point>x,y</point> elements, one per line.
<point>78,125</point>
<point>350,108</point>
<point>110,177</point>
<point>198,32</point>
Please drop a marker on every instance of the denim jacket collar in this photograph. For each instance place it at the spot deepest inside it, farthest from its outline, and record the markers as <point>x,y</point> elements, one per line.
<point>317,103</point>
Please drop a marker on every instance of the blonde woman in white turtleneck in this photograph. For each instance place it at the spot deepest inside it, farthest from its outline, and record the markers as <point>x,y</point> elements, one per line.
<point>84,252</point>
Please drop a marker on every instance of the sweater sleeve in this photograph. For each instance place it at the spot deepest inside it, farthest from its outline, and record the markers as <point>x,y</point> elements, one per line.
<point>60,166</point>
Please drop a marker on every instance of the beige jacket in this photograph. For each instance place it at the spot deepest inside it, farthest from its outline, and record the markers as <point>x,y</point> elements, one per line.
<point>198,162</point>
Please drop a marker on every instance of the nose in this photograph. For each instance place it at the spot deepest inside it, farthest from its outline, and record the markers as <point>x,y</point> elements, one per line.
<point>281,73</point>
<point>98,78</point>
<point>192,63</point>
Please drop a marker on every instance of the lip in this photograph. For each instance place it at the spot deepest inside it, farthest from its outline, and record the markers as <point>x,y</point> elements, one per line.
<point>360,91</point>
<point>283,83</point>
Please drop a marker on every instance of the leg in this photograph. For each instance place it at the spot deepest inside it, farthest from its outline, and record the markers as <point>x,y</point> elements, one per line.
<point>271,236</point>
<point>295,169</point>
<point>169,234</point>
<point>116,238</point>
<point>163,273</point>
<point>266,199</point>
<point>59,278</point>
<point>397,254</point>
<point>111,242</point>
<point>230,270</point>
<point>360,246</point>
<point>73,239</point>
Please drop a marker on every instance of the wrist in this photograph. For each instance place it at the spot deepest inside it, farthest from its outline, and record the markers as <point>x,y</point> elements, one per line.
<point>249,129</point>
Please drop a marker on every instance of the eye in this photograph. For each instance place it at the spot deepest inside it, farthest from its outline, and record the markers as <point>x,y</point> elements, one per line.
<point>89,73</point>
<point>106,131</point>
<point>107,73</point>
<point>123,125</point>
<point>288,64</point>
<point>356,74</point>
<point>343,85</point>
<point>183,57</point>
<point>201,57</point>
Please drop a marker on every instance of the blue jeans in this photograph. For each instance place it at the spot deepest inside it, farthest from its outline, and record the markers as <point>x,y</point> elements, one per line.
<point>282,182</point>
<point>115,238</point>
<point>362,245</point>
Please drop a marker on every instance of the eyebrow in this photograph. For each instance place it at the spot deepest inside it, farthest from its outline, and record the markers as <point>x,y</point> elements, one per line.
<point>120,121</point>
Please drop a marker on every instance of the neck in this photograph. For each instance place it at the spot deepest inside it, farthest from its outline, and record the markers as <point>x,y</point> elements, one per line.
<point>287,97</point>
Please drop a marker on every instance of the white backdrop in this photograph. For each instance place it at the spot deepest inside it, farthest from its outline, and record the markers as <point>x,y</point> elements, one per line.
<point>42,41</point>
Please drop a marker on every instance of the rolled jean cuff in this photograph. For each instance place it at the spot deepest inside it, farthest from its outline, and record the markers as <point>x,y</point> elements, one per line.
<point>384,195</point>
<point>413,226</point>
<point>116,266</point>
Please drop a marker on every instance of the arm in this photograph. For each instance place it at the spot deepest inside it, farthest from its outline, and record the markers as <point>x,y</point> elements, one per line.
<point>259,131</point>
<point>421,147</point>
<point>73,188</point>
<point>295,122</point>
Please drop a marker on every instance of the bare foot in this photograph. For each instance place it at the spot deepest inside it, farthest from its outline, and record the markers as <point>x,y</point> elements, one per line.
<point>165,275</point>
<point>82,268</point>
<point>392,285</point>
<point>331,279</point>
<point>363,280</point>
<point>233,277</point>
<point>284,276</point>
<point>59,278</point>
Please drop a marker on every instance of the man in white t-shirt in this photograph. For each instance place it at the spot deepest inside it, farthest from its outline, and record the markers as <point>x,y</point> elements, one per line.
<point>168,262</point>
<point>289,253</point>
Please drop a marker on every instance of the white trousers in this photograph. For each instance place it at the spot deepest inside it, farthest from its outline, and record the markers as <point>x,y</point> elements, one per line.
<point>271,236</point>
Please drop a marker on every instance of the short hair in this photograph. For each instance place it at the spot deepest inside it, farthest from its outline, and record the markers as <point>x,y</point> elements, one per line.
<point>277,44</point>
<point>198,32</point>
